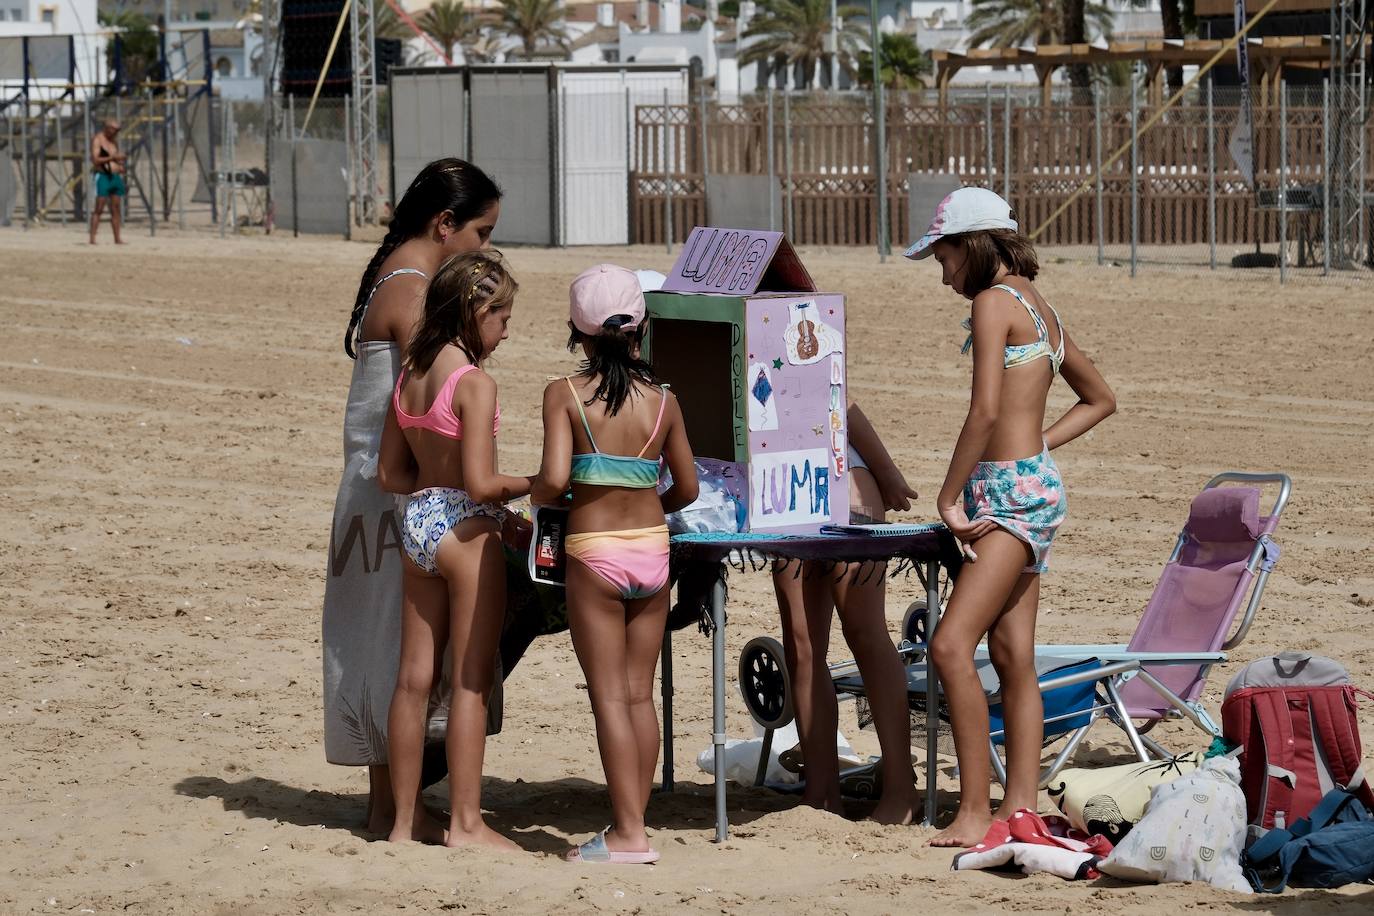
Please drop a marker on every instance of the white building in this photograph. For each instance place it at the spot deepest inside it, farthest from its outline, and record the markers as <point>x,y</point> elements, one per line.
<point>49,63</point>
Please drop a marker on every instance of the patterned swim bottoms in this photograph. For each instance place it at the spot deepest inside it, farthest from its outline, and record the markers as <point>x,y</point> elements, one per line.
<point>1026,497</point>
<point>434,512</point>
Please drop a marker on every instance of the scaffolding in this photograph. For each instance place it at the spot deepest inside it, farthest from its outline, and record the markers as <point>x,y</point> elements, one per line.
<point>1349,72</point>
<point>364,170</point>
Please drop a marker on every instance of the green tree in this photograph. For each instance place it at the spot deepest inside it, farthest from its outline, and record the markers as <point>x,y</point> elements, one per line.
<point>450,24</point>
<point>1010,23</point>
<point>531,22</point>
<point>137,50</point>
<point>902,63</point>
<point>794,33</point>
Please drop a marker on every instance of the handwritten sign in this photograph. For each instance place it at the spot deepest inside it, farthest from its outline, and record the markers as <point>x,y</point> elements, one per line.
<point>789,488</point>
<point>737,262</point>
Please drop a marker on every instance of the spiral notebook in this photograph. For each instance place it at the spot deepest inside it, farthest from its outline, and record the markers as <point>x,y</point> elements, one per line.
<point>877,530</point>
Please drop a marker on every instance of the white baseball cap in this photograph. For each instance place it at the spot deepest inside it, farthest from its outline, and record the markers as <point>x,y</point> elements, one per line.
<point>964,210</point>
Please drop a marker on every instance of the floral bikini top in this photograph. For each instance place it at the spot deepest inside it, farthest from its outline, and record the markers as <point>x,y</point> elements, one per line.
<point>1020,354</point>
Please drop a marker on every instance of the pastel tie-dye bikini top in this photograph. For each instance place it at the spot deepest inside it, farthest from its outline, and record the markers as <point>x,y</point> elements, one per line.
<point>602,470</point>
<point>1020,354</point>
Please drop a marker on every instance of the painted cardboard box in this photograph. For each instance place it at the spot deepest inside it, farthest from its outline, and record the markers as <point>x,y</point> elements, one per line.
<point>756,356</point>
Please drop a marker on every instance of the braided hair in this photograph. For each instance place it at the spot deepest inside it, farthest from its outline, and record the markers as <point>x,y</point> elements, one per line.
<point>445,185</point>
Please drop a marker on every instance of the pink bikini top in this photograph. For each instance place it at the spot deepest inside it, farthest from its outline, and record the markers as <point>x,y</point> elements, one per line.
<point>440,417</point>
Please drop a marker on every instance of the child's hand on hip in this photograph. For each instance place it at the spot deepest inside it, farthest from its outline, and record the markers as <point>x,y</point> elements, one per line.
<point>957,521</point>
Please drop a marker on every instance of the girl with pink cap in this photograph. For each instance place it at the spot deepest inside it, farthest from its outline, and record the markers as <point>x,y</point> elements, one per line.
<point>1002,497</point>
<point>606,428</point>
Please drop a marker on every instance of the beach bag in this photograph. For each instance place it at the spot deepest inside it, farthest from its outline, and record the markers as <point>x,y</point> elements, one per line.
<point>1333,847</point>
<point>1293,716</point>
<point>1110,800</point>
<point>1193,830</point>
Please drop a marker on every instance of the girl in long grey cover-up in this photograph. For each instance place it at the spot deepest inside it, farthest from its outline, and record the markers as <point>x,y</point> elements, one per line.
<point>451,207</point>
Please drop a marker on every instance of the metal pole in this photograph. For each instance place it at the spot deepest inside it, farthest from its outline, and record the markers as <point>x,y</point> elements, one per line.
<point>233,168</point>
<point>667,179</point>
<point>1097,171</point>
<point>787,159</point>
<point>295,196</point>
<point>1006,143</point>
<point>354,191</point>
<point>1211,176</point>
<point>61,169</point>
<point>718,702</point>
<point>220,186</point>
<point>122,201</point>
<point>987,129</point>
<point>630,220</point>
<point>1135,169</point>
<point>28,176</point>
<point>150,198</point>
<point>772,166</point>
<point>181,162</point>
<point>932,691</point>
<point>880,126</point>
<point>9,161</point>
<point>1283,180</point>
<point>705,158</point>
<point>89,195</point>
<point>1326,177</point>
<point>834,47</point>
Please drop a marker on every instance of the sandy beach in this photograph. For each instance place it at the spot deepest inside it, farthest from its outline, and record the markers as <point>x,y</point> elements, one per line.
<point>171,417</point>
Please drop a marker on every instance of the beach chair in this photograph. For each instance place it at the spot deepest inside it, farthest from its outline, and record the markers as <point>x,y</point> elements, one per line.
<point>1221,560</point>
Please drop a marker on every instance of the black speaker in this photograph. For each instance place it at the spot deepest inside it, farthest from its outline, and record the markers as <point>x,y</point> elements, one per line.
<point>307,27</point>
<point>389,54</point>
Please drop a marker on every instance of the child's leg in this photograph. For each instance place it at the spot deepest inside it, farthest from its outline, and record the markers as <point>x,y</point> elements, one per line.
<point>645,621</point>
<point>1011,643</point>
<point>807,606</point>
<point>470,559</point>
<point>596,618</point>
<point>980,595</point>
<point>424,631</point>
<point>864,620</point>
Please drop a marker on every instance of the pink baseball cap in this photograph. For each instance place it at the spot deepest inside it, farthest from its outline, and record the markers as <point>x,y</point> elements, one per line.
<point>604,292</point>
<point>964,210</point>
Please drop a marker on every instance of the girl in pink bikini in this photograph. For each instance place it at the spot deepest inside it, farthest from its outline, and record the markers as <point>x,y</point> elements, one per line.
<point>439,446</point>
<point>605,430</point>
<point>1002,496</point>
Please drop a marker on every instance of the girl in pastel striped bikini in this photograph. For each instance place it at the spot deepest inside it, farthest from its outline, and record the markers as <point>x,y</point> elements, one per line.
<point>605,429</point>
<point>1002,496</point>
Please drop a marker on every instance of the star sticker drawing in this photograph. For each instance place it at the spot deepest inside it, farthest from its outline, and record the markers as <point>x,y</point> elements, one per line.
<point>777,364</point>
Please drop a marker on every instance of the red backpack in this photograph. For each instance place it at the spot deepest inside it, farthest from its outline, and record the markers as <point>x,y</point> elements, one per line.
<point>1293,715</point>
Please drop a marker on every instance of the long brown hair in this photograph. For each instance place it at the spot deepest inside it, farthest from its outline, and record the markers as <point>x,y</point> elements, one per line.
<point>445,185</point>
<point>614,356</point>
<point>987,250</point>
<point>464,288</point>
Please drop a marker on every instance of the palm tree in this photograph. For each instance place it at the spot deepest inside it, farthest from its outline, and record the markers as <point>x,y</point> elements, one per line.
<point>449,23</point>
<point>902,63</point>
<point>1010,23</point>
<point>532,21</point>
<point>794,33</point>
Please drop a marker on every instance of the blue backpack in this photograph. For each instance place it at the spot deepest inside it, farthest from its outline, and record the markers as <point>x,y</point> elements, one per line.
<point>1332,847</point>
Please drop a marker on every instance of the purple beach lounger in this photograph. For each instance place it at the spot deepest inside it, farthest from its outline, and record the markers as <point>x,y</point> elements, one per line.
<point>1220,562</point>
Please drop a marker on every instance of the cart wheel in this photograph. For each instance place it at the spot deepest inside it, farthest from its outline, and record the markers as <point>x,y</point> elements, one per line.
<point>763,680</point>
<point>914,622</point>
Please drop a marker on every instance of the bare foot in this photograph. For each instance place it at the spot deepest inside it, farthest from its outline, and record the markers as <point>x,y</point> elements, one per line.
<point>422,829</point>
<point>967,830</point>
<point>900,811</point>
<point>635,843</point>
<point>482,836</point>
<point>831,805</point>
<point>1010,806</point>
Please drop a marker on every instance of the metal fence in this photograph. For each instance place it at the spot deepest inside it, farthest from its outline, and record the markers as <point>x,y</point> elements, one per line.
<point>1174,196</point>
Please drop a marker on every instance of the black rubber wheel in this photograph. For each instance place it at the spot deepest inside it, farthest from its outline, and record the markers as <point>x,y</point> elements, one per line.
<point>914,622</point>
<point>764,682</point>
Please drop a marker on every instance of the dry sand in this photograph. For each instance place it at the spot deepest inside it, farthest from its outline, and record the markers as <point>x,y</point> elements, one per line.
<point>171,449</point>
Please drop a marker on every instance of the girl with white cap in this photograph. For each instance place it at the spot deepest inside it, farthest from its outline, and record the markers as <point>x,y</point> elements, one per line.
<point>617,537</point>
<point>1002,497</point>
